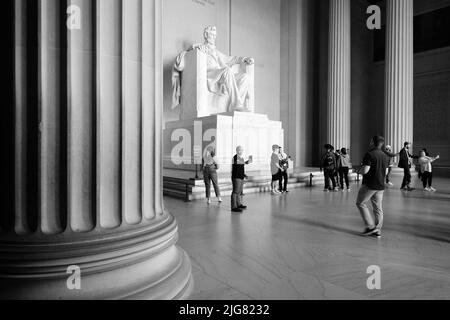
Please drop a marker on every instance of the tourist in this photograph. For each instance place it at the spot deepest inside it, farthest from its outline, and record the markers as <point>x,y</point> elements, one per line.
<point>210,167</point>
<point>328,166</point>
<point>238,176</point>
<point>405,163</point>
<point>275,169</point>
<point>388,151</point>
<point>284,176</point>
<point>344,168</point>
<point>426,170</point>
<point>374,169</point>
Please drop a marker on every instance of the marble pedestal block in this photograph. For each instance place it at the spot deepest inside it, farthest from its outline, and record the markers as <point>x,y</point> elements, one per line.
<point>185,141</point>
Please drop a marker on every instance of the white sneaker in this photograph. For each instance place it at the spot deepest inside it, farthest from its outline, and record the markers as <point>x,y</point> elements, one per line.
<point>432,189</point>
<point>220,200</point>
<point>427,189</point>
<point>390,184</point>
<point>208,201</point>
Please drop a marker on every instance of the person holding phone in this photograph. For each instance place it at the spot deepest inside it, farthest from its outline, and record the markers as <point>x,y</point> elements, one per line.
<point>238,176</point>
<point>426,169</point>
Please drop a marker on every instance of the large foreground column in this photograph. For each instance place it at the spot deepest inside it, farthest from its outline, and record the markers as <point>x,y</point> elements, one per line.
<point>339,75</point>
<point>399,73</point>
<point>87,156</point>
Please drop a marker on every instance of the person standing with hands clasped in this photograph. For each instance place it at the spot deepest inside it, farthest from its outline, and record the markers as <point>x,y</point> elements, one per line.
<point>374,168</point>
<point>275,169</point>
<point>238,176</point>
<point>210,167</point>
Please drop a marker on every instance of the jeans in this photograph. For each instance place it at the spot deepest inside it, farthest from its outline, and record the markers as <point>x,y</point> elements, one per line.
<point>343,176</point>
<point>329,174</point>
<point>427,179</point>
<point>406,177</point>
<point>283,180</point>
<point>376,197</point>
<point>210,175</point>
<point>236,196</point>
<point>388,179</point>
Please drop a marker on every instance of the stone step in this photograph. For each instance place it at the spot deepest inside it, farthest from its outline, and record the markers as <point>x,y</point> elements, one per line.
<point>190,189</point>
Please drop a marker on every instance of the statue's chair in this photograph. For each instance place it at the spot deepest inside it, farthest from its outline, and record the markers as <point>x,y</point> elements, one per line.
<point>196,100</point>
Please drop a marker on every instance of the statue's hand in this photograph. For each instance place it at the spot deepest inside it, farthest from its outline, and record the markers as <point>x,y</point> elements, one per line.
<point>200,47</point>
<point>249,61</point>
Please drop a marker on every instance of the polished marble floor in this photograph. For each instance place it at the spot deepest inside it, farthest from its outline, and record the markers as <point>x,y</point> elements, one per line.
<point>305,245</point>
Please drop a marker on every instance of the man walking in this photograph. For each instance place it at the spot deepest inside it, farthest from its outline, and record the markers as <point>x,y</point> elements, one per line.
<point>405,163</point>
<point>238,176</point>
<point>374,169</point>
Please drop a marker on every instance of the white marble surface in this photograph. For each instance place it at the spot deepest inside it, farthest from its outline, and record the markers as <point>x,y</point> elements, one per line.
<point>306,246</point>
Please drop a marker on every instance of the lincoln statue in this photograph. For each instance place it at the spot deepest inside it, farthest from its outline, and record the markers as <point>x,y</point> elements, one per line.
<point>229,87</point>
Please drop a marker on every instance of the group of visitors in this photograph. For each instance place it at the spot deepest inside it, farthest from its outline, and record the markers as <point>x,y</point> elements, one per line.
<point>376,169</point>
<point>336,166</point>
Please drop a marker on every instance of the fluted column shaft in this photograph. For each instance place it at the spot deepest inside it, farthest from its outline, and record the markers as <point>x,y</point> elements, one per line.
<point>339,75</point>
<point>399,109</point>
<point>92,131</point>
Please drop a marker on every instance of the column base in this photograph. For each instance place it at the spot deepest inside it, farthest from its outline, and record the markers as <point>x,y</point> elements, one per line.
<point>142,265</point>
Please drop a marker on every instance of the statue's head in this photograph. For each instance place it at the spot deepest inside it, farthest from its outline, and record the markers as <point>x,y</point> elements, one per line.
<point>210,35</point>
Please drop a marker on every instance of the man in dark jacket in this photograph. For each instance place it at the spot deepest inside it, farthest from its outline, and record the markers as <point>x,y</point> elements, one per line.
<point>405,163</point>
<point>329,166</point>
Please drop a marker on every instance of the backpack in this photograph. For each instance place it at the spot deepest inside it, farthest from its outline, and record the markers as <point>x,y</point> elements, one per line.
<point>328,162</point>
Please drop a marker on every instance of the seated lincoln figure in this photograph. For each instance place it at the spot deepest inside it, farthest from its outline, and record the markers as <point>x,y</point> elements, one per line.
<point>233,87</point>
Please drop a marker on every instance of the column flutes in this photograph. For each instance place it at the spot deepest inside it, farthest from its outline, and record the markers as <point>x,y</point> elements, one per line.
<point>399,109</point>
<point>339,75</point>
<point>91,129</point>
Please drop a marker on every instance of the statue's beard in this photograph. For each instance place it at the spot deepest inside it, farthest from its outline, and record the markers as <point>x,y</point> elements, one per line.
<point>211,42</point>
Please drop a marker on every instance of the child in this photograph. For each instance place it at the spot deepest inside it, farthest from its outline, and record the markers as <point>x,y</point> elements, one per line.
<point>427,171</point>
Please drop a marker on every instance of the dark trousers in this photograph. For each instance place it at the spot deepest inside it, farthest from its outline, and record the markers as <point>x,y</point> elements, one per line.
<point>343,176</point>
<point>329,175</point>
<point>236,196</point>
<point>406,177</point>
<point>284,178</point>
<point>427,179</point>
<point>210,175</point>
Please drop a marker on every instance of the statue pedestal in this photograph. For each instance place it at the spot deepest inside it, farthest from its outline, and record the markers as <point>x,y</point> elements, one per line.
<point>185,142</point>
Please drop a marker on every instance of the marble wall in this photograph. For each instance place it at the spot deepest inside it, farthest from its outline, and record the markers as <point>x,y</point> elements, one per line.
<point>431,98</point>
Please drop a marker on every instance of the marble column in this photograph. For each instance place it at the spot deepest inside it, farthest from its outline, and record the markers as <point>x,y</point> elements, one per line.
<point>399,109</point>
<point>339,75</point>
<point>96,144</point>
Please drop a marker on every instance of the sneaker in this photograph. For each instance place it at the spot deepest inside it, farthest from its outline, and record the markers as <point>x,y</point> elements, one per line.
<point>390,184</point>
<point>208,201</point>
<point>432,189</point>
<point>220,200</point>
<point>237,210</point>
<point>286,191</point>
<point>369,232</point>
<point>376,234</point>
<point>275,193</point>
<point>349,189</point>
<point>427,189</point>
<point>326,190</point>
<point>242,207</point>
